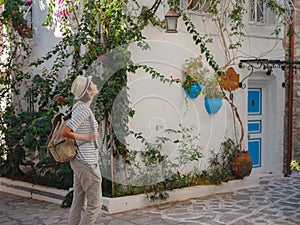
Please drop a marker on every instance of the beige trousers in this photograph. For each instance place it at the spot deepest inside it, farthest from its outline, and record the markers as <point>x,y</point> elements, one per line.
<point>87,198</point>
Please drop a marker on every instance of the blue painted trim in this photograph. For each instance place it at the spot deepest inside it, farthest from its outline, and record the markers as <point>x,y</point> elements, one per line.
<point>255,153</point>
<point>252,124</point>
<point>259,112</point>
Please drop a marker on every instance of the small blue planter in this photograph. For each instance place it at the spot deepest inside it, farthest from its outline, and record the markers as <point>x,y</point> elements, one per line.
<point>194,91</point>
<point>212,105</point>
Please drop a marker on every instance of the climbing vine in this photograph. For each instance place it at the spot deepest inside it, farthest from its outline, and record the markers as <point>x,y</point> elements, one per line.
<point>228,17</point>
<point>94,33</point>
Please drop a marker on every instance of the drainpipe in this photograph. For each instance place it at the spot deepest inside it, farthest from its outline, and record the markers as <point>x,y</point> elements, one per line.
<point>290,93</point>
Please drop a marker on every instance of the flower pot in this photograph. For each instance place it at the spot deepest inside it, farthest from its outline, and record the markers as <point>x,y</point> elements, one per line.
<point>212,105</point>
<point>242,165</point>
<point>194,90</point>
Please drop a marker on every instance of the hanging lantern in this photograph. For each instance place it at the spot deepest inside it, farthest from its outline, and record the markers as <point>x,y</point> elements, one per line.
<point>171,21</point>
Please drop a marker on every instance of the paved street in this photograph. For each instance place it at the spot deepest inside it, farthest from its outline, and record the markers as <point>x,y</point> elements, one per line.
<point>276,201</point>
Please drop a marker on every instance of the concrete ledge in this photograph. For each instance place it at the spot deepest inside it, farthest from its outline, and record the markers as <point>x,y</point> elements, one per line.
<point>122,204</point>
<point>34,191</point>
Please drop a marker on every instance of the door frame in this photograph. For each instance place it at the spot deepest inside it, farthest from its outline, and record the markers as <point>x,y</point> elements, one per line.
<point>273,103</point>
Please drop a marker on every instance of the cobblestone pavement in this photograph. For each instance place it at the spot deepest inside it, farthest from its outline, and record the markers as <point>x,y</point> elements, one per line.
<point>276,201</point>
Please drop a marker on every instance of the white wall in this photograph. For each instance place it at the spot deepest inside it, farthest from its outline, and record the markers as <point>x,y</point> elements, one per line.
<point>45,37</point>
<point>157,103</point>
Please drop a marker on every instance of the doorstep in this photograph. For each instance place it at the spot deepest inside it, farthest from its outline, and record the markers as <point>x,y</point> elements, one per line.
<point>126,203</point>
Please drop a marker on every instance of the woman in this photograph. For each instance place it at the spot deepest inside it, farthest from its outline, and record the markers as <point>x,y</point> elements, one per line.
<point>87,198</point>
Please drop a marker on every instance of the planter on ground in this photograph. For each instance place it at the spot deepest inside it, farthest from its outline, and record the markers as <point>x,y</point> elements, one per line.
<point>242,165</point>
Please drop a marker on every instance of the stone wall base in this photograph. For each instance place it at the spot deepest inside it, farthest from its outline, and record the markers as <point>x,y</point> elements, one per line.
<point>122,204</point>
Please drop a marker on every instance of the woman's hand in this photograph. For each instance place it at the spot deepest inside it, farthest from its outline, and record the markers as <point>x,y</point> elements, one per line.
<point>93,135</point>
<point>68,133</point>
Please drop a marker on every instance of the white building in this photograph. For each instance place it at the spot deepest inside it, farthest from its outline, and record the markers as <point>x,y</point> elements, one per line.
<point>260,102</point>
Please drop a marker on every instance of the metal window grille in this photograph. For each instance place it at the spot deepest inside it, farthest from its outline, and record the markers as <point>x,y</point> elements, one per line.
<point>195,6</point>
<point>261,14</point>
<point>258,11</point>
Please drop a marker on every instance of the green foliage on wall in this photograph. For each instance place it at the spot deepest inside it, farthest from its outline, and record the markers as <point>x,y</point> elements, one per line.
<point>90,31</point>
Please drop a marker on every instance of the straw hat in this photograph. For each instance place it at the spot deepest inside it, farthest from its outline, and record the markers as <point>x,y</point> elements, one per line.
<point>80,85</point>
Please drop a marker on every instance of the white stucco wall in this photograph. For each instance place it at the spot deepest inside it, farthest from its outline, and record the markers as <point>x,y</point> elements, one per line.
<point>45,37</point>
<point>156,103</point>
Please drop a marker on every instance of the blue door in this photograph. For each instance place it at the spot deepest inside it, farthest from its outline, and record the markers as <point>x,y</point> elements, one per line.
<point>255,125</point>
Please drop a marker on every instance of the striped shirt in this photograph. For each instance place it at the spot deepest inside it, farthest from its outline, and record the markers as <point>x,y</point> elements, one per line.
<point>81,123</point>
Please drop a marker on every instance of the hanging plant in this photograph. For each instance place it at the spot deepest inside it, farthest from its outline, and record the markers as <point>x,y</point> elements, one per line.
<point>212,87</point>
<point>194,71</point>
<point>213,94</point>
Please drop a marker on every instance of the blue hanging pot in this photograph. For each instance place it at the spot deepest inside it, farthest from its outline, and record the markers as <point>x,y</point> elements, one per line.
<point>194,90</point>
<point>212,105</point>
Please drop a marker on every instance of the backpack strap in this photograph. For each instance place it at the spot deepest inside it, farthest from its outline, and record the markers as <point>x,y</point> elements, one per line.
<point>93,128</point>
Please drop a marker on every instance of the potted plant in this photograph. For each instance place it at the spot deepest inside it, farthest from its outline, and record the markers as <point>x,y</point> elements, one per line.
<point>194,71</point>
<point>242,164</point>
<point>213,95</point>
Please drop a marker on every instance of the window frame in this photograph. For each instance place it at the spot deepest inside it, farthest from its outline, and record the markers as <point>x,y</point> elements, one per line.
<point>260,14</point>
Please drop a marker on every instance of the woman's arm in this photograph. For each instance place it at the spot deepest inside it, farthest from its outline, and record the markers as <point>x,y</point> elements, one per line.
<point>68,133</point>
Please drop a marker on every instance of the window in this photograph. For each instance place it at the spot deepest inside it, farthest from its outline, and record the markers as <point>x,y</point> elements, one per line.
<point>197,6</point>
<point>260,13</point>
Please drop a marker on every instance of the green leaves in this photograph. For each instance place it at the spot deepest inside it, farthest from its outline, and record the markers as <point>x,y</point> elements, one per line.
<point>201,41</point>
<point>295,165</point>
<point>156,75</point>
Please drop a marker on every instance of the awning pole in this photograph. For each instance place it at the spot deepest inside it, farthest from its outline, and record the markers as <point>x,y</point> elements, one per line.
<point>290,94</point>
